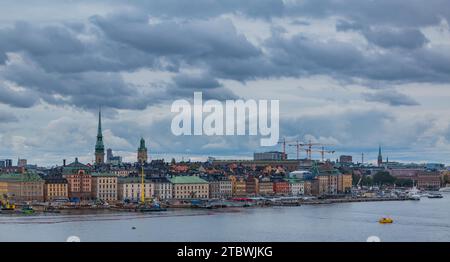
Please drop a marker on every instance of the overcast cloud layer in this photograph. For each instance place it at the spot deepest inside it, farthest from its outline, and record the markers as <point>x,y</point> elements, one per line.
<point>350,73</point>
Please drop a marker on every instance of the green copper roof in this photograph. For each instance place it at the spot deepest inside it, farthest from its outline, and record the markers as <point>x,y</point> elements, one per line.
<point>104,175</point>
<point>73,168</point>
<point>26,177</point>
<point>187,180</point>
<point>142,145</point>
<point>99,147</point>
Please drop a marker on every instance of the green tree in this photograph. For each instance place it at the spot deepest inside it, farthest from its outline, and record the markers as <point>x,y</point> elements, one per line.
<point>383,178</point>
<point>401,182</point>
<point>446,179</point>
<point>367,181</point>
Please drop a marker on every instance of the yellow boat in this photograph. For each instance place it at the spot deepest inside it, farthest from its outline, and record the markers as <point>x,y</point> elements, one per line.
<point>386,220</point>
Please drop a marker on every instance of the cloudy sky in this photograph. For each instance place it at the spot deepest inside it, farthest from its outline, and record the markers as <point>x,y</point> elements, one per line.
<point>351,73</point>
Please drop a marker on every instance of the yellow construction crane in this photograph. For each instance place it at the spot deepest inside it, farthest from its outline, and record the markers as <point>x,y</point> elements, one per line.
<point>322,152</point>
<point>142,184</point>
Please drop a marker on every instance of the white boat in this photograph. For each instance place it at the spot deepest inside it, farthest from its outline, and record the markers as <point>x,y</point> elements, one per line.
<point>414,193</point>
<point>445,189</point>
<point>414,197</point>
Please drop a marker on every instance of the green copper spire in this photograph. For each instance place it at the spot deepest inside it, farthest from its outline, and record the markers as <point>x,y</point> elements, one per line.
<point>99,147</point>
<point>142,146</point>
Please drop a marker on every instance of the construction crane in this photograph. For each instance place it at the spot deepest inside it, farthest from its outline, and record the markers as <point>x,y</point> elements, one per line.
<point>322,152</point>
<point>309,149</point>
<point>298,147</point>
<point>284,145</point>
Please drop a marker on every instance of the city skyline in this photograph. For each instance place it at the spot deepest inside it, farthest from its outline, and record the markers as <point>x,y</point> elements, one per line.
<point>356,75</point>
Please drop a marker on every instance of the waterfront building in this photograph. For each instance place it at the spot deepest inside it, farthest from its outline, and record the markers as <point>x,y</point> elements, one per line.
<point>56,188</point>
<point>142,155</point>
<point>214,187</point>
<point>405,173</point>
<point>319,185</point>
<point>238,186</point>
<point>307,187</point>
<point>99,147</point>
<point>265,187</point>
<point>79,180</point>
<point>281,187</point>
<point>22,187</point>
<point>430,180</point>
<point>225,188</point>
<point>252,186</point>
<point>104,186</point>
<point>296,187</point>
<point>189,187</point>
<point>129,189</point>
<point>345,182</point>
<point>163,188</point>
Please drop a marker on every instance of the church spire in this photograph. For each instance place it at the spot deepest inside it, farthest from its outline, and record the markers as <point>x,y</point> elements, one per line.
<point>380,157</point>
<point>99,147</point>
<point>142,154</point>
<point>99,131</point>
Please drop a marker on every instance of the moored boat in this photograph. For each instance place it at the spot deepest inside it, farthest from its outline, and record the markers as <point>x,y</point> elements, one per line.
<point>152,208</point>
<point>435,195</point>
<point>27,210</point>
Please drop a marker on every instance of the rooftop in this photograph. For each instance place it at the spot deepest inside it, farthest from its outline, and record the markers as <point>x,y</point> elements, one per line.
<point>104,174</point>
<point>187,180</point>
<point>25,177</point>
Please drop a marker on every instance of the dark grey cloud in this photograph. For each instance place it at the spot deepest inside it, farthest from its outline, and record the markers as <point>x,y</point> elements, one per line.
<point>299,55</point>
<point>18,98</point>
<point>80,63</point>
<point>184,85</point>
<point>391,97</point>
<point>387,37</point>
<point>85,90</point>
<point>197,39</point>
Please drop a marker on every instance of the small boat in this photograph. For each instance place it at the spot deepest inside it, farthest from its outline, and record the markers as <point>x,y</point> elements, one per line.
<point>27,210</point>
<point>414,197</point>
<point>51,210</point>
<point>8,207</point>
<point>435,195</point>
<point>386,220</point>
<point>152,208</point>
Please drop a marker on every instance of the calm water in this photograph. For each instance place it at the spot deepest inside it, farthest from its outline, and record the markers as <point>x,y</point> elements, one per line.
<point>425,220</point>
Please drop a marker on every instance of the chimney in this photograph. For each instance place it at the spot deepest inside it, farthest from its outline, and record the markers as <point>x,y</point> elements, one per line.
<point>64,162</point>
